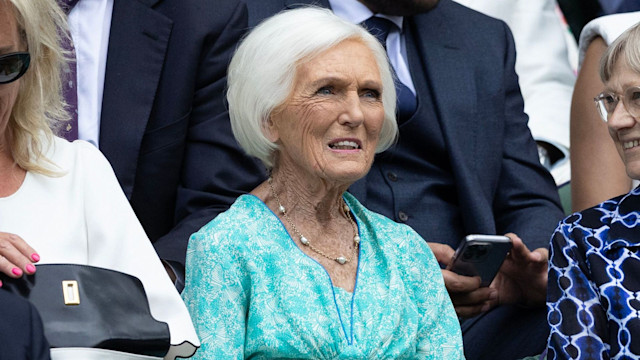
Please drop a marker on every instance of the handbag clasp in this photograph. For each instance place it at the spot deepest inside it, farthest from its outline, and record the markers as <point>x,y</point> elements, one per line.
<point>70,292</point>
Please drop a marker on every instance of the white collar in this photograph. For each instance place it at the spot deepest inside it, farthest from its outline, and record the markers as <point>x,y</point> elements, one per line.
<point>356,12</point>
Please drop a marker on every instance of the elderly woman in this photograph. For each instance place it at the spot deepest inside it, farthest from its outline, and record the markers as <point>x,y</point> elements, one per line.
<point>60,202</point>
<point>299,268</point>
<point>593,274</point>
<point>592,152</point>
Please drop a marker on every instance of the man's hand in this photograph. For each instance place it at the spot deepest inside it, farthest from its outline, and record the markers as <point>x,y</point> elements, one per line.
<point>468,298</point>
<point>522,279</point>
<point>16,256</point>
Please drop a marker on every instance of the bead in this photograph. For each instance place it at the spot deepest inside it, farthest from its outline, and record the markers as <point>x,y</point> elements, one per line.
<point>341,260</point>
<point>356,239</point>
<point>281,208</point>
<point>304,240</point>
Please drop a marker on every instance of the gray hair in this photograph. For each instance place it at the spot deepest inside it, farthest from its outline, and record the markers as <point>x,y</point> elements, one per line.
<point>627,47</point>
<point>262,71</point>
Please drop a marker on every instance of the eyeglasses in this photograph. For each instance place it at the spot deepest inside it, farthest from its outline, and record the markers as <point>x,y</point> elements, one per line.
<point>607,102</point>
<point>13,66</point>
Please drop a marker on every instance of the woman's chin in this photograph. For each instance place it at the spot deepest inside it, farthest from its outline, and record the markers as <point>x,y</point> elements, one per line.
<point>633,169</point>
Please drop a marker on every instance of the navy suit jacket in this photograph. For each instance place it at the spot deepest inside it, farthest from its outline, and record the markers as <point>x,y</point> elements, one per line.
<point>21,332</point>
<point>164,125</point>
<point>462,63</point>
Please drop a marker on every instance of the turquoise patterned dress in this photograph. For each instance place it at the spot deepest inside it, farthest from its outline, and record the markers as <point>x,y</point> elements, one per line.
<point>252,293</point>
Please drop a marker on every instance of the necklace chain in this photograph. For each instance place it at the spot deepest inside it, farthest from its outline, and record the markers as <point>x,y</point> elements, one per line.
<point>304,241</point>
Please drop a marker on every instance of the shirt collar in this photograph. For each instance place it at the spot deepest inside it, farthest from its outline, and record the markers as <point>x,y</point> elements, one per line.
<point>356,12</point>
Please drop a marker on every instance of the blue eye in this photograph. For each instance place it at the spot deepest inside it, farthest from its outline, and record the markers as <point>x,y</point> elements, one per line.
<point>370,93</point>
<point>325,90</point>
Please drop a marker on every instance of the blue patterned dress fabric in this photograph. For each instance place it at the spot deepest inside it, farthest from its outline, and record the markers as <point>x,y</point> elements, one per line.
<point>252,293</point>
<point>594,282</point>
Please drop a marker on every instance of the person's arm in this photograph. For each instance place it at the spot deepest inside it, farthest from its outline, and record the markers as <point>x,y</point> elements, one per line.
<point>215,170</point>
<point>597,172</point>
<point>567,304</point>
<point>526,201</point>
<point>215,296</point>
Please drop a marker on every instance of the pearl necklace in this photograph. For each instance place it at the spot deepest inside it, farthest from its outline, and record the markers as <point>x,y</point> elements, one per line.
<point>340,259</point>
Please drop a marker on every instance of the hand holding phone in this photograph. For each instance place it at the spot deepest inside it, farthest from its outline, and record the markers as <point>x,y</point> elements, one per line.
<point>480,255</point>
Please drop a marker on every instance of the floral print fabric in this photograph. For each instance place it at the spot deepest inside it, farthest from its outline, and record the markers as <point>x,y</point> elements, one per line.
<point>253,293</point>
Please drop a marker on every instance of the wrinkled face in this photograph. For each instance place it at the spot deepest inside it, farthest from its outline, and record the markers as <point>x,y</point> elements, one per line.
<point>623,127</point>
<point>330,124</point>
<point>9,43</point>
<point>400,7</point>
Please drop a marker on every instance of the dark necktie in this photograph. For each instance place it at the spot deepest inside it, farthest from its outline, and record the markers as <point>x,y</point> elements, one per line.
<point>69,81</point>
<point>407,102</point>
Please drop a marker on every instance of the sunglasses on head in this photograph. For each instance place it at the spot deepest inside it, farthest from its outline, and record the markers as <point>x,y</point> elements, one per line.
<point>13,66</point>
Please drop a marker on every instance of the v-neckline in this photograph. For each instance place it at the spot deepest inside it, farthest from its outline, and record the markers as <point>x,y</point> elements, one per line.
<point>293,244</point>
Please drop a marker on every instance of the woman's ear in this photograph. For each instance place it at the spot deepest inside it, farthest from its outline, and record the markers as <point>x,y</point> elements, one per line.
<point>270,129</point>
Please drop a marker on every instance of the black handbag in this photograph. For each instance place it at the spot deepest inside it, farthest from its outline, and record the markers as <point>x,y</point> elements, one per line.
<point>87,306</point>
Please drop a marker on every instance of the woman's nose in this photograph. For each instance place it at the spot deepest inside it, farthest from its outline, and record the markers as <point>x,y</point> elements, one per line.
<point>620,118</point>
<point>352,114</point>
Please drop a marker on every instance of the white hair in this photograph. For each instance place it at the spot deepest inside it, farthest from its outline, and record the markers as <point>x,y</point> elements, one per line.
<point>262,72</point>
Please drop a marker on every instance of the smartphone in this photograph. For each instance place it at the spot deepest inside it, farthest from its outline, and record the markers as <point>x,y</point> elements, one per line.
<point>480,255</point>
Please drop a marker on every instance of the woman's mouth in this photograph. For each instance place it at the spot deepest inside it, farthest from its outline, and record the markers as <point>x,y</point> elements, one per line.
<point>346,145</point>
<point>630,144</point>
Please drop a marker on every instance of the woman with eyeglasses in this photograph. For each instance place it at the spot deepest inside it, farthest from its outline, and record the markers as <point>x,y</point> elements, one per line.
<point>60,202</point>
<point>592,152</point>
<point>594,284</point>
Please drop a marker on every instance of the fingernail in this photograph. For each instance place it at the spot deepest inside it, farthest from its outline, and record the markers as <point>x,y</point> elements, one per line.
<point>30,268</point>
<point>16,271</point>
<point>35,257</point>
<point>0,283</point>
<point>485,308</point>
<point>493,295</point>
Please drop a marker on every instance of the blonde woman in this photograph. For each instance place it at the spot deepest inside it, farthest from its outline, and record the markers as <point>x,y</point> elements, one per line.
<point>60,202</point>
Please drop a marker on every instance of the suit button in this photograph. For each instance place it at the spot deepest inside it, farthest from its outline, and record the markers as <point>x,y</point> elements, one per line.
<point>402,216</point>
<point>392,176</point>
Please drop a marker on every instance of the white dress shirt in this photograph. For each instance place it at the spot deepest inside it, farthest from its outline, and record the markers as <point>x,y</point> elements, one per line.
<point>89,24</point>
<point>356,12</point>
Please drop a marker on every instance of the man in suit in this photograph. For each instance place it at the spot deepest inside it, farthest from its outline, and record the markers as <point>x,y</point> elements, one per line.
<point>465,161</point>
<point>21,332</point>
<point>151,80</point>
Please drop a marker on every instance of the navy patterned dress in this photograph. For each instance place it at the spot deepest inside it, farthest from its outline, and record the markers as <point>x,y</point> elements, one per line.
<point>594,282</point>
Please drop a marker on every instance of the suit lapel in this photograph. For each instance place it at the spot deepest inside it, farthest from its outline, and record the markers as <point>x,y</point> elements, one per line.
<point>137,46</point>
<point>454,92</point>
<point>452,81</point>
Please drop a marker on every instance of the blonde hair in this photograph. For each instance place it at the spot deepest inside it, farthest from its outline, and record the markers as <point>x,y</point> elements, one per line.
<point>261,73</point>
<point>627,47</point>
<point>39,106</point>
